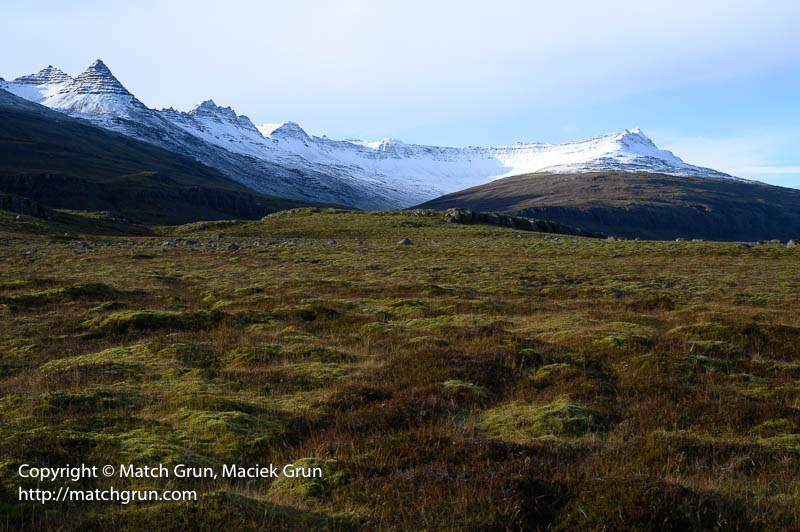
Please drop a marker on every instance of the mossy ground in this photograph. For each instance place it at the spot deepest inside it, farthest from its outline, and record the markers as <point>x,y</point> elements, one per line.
<point>479,378</point>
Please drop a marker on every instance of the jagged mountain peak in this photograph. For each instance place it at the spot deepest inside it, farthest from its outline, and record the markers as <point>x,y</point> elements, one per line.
<point>206,104</point>
<point>49,75</point>
<point>209,108</point>
<point>634,136</point>
<point>96,79</point>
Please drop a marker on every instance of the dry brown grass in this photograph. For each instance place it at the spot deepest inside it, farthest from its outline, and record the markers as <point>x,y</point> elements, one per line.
<point>481,378</point>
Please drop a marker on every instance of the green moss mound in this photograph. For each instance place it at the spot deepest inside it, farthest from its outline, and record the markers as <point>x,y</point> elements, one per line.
<point>91,291</point>
<point>123,322</point>
<point>459,389</point>
<point>521,422</point>
<point>326,476</point>
<point>227,434</point>
<point>119,362</point>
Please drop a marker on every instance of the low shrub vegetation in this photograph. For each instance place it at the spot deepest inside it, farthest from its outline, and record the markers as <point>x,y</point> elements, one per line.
<point>479,378</point>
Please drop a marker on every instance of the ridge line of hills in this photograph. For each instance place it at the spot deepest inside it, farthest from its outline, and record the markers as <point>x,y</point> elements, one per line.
<point>284,160</point>
<point>643,205</point>
<point>87,143</point>
<point>67,163</point>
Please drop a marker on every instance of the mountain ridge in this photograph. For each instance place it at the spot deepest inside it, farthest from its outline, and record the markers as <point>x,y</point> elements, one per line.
<point>69,163</point>
<point>284,160</point>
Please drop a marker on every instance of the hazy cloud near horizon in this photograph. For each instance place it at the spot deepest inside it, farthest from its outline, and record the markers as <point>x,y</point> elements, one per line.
<point>450,73</point>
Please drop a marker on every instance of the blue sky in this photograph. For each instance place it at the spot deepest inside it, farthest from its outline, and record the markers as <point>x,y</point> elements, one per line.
<point>716,82</point>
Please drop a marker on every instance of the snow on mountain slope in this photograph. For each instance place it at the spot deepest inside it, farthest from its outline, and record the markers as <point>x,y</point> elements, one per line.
<point>414,172</point>
<point>630,150</point>
<point>209,134</point>
<point>38,87</point>
<point>96,92</point>
<point>282,159</point>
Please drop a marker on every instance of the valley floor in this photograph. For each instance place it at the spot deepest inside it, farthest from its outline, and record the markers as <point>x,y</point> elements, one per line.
<point>481,377</point>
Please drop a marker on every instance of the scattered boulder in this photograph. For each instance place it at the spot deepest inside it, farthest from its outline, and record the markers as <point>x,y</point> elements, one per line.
<point>743,246</point>
<point>423,212</point>
<point>233,246</point>
<point>793,244</point>
<point>404,242</point>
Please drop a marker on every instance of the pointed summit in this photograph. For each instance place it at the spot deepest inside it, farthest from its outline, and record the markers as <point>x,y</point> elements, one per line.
<point>634,136</point>
<point>96,92</point>
<point>47,76</point>
<point>209,109</point>
<point>204,107</point>
<point>289,130</point>
<point>99,67</point>
<point>97,79</point>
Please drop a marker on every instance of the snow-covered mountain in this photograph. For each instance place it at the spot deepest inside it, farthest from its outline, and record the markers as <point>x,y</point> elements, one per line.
<point>97,96</point>
<point>283,160</point>
<point>38,87</point>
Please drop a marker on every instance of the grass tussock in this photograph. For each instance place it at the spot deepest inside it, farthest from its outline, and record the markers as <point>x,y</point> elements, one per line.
<point>481,378</point>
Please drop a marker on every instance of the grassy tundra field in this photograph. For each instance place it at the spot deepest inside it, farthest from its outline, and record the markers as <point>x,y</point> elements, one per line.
<point>479,378</point>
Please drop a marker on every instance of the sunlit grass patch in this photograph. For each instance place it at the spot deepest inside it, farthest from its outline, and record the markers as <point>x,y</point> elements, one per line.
<point>123,322</point>
<point>310,477</point>
<point>520,422</point>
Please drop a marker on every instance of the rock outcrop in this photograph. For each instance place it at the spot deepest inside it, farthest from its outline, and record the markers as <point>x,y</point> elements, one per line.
<point>465,216</point>
<point>22,205</point>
